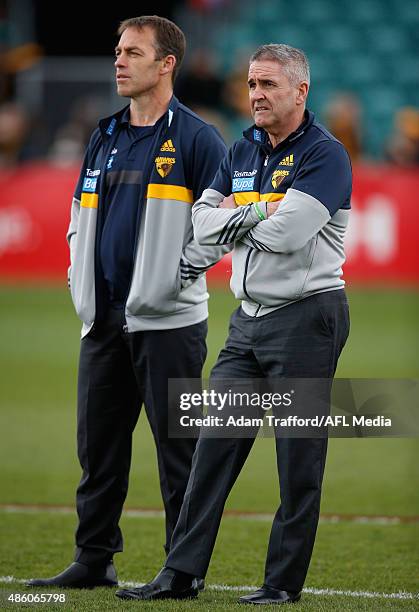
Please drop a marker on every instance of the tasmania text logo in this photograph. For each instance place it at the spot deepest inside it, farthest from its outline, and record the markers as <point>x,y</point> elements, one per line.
<point>239,174</point>
<point>168,146</point>
<point>287,161</point>
<point>90,180</point>
<point>244,180</point>
<point>164,165</point>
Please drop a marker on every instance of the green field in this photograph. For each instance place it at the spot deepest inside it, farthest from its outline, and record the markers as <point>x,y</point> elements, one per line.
<point>38,358</point>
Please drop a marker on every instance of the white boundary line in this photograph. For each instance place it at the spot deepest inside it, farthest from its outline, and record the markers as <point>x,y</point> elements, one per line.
<point>246,516</point>
<point>381,520</point>
<point>245,587</point>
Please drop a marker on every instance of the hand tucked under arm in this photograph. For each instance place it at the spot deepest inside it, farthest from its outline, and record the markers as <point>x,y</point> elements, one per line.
<point>272,207</point>
<point>228,202</point>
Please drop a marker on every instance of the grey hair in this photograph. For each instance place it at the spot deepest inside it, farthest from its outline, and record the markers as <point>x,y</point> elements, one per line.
<point>293,61</point>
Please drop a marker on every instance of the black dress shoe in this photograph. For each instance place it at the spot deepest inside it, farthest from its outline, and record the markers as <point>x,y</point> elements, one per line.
<point>268,595</point>
<point>80,576</point>
<point>168,584</point>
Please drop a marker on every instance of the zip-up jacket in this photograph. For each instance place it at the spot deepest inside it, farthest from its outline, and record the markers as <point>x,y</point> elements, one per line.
<point>168,287</point>
<point>298,250</point>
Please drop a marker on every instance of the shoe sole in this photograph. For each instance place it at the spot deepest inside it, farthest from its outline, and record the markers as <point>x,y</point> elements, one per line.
<point>189,594</point>
<point>271,602</point>
<point>72,586</point>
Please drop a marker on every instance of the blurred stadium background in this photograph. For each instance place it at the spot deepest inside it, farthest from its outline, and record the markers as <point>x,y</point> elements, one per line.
<point>56,80</point>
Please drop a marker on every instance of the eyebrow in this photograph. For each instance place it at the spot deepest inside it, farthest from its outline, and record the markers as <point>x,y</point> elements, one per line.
<point>264,80</point>
<point>118,48</point>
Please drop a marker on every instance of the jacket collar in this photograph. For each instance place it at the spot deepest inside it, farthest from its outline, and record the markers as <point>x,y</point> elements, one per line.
<point>107,126</point>
<point>260,138</point>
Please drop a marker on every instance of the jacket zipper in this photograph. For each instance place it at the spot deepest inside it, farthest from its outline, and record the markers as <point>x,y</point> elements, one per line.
<point>246,265</point>
<point>265,163</point>
<point>249,253</point>
<point>106,148</point>
<point>161,133</point>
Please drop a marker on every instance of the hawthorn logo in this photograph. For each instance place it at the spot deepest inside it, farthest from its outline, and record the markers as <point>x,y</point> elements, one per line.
<point>168,147</point>
<point>278,176</point>
<point>164,165</point>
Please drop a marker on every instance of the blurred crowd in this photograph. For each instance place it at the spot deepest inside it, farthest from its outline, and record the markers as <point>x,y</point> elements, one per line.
<point>222,101</point>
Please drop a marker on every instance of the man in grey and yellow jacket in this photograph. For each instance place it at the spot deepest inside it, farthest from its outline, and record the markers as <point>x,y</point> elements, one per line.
<point>282,195</point>
<point>138,285</point>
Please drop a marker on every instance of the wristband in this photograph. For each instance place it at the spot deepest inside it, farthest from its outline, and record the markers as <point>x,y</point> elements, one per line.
<point>259,212</point>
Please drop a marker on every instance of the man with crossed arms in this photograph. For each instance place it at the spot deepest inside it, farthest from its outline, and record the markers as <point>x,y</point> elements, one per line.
<point>282,195</point>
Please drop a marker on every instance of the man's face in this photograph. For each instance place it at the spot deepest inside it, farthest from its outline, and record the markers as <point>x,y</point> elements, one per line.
<point>273,100</point>
<point>137,67</point>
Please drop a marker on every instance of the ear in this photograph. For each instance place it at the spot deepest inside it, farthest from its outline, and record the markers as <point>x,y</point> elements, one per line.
<point>168,64</point>
<point>302,92</point>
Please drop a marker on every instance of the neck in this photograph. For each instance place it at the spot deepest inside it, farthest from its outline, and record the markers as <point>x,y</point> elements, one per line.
<point>147,108</point>
<point>280,134</point>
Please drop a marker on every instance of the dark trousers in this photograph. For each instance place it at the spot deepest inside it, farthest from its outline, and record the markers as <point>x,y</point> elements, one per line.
<point>118,372</point>
<point>301,340</point>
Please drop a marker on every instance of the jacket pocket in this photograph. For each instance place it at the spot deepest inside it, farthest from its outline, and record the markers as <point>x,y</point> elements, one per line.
<point>332,310</point>
<point>155,283</point>
<point>69,277</point>
<point>82,275</point>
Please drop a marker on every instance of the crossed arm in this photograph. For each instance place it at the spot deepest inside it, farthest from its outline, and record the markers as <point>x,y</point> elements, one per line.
<point>287,227</point>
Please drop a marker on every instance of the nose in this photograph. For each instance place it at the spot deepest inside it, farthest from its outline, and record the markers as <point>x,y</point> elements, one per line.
<point>119,62</point>
<point>256,94</point>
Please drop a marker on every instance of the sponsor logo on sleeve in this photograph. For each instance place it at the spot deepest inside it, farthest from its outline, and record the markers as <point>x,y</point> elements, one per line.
<point>90,180</point>
<point>243,184</point>
<point>240,174</point>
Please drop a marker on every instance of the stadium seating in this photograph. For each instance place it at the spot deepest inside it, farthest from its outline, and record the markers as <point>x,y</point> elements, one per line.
<point>368,48</point>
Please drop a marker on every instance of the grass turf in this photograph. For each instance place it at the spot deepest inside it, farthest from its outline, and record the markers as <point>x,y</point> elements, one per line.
<point>343,558</point>
<point>38,358</point>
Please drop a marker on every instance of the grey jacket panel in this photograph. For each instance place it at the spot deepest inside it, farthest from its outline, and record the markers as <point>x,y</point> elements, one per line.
<point>155,282</point>
<point>298,251</point>
<point>191,314</point>
<point>159,297</point>
<point>164,292</point>
<point>72,229</point>
<point>329,256</point>
<point>81,238</point>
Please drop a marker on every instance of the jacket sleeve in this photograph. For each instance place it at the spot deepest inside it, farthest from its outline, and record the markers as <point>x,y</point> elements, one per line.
<point>72,231</point>
<point>74,215</point>
<point>297,219</point>
<point>207,153</point>
<point>221,226</point>
<point>321,187</point>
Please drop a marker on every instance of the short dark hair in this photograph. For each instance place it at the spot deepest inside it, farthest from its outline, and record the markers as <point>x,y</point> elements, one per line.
<point>170,40</point>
